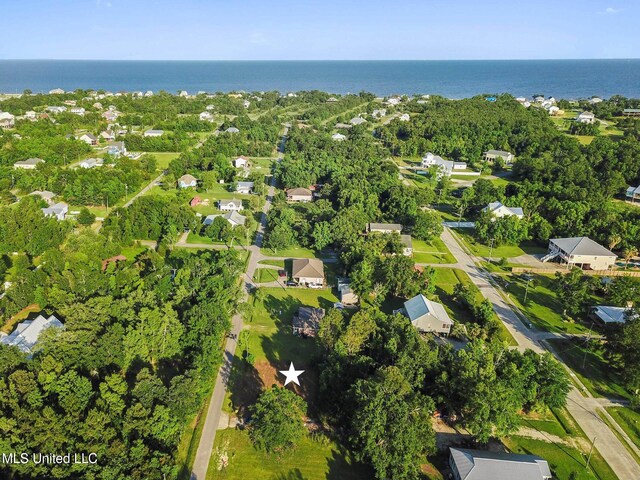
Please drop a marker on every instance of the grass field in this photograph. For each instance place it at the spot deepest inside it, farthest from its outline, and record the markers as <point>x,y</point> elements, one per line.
<point>311,460</point>
<point>265,275</point>
<point>563,460</point>
<point>434,251</point>
<point>596,375</point>
<point>547,422</point>
<point>189,441</point>
<point>629,421</point>
<point>497,252</point>
<point>293,252</point>
<point>275,263</point>
<point>164,158</point>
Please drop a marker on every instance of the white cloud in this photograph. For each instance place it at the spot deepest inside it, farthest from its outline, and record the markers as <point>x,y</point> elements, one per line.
<point>611,11</point>
<point>100,3</point>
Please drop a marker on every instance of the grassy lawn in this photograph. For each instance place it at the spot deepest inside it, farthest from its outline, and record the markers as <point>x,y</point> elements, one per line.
<point>311,460</point>
<point>497,252</point>
<point>189,441</point>
<point>629,421</point>
<point>596,375</point>
<point>293,252</point>
<point>434,251</point>
<point>132,252</point>
<point>563,460</point>
<point>164,158</point>
<point>446,280</point>
<point>195,238</point>
<point>546,421</point>
<point>265,275</point>
<point>18,317</point>
<point>275,263</point>
<point>543,307</point>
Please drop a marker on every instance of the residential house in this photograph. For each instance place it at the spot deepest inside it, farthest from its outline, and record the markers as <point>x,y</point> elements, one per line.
<point>595,100</point>
<point>195,201</point>
<point>233,217</point>
<point>491,155</point>
<point>88,138</point>
<point>244,187</point>
<point>580,252</point>
<point>232,205</point>
<point>299,195</point>
<point>445,167</point>
<point>585,117</point>
<point>393,101</point>
<point>379,112</point>
<point>306,322</point>
<point>56,91</point>
<point>384,227</point>
<point>27,333</point>
<point>631,112</point>
<point>347,296</point>
<point>210,107</point>
<point>241,162</point>
<point>232,130</point>
<point>308,271</point>
<point>183,93</point>
<point>405,117</point>
<point>343,126</point>
<point>498,210</point>
<point>187,181</point>
<point>45,195</point>
<point>407,245</point>
<point>633,193</point>
<point>427,316</point>
<point>97,106</point>
<point>91,163</point>
<point>28,164</point>
<point>108,136</point>
<point>77,111</point>
<point>553,111</point>
<point>206,117</point>
<point>153,133</point>
<point>58,211</point>
<point>30,115</point>
<point>246,104</point>
<point>7,120</point>
<point>469,464</point>
<point>357,121</point>
<point>56,109</point>
<point>332,100</point>
<point>339,137</point>
<point>148,93</point>
<point>110,115</point>
<point>608,316</point>
<point>116,149</point>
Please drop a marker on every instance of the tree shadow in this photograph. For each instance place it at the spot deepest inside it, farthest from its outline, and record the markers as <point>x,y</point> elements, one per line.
<point>294,474</point>
<point>341,465</point>
<point>245,386</point>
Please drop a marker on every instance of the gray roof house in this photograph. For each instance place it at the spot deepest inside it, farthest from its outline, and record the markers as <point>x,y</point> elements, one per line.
<point>483,465</point>
<point>498,210</point>
<point>384,227</point>
<point>59,211</point>
<point>28,164</point>
<point>45,195</point>
<point>581,252</point>
<point>230,205</point>
<point>491,155</point>
<point>427,316</point>
<point>357,121</point>
<point>116,149</point>
<point>244,187</point>
<point>153,133</point>
<point>233,217</point>
<point>611,315</point>
<point>445,167</point>
<point>26,334</point>
<point>633,193</point>
<point>91,162</point>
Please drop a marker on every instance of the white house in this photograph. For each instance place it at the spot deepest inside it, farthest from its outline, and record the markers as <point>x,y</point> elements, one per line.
<point>116,149</point>
<point>299,195</point>
<point>445,167</point>
<point>148,93</point>
<point>633,193</point>
<point>30,115</point>
<point>108,136</point>
<point>580,252</point>
<point>77,111</point>
<point>244,187</point>
<point>241,162</point>
<point>379,112</point>
<point>384,228</point>
<point>585,117</point>
<point>246,104</point>
<point>91,163</point>
<point>308,271</point>
<point>56,91</point>
<point>183,93</point>
<point>595,100</point>
<point>233,217</point>
<point>491,155</point>
<point>88,138</point>
<point>484,465</point>
<point>232,130</point>
<point>393,101</point>
<point>233,205</point>
<point>206,116</point>
<point>427,316</point>
<point>498,210</point>
<point>7,120</point>
<point>58,211</point>
<point>153,133</point>
<point>26,334</point>
<point>339,137</point>
<point>405,117</point>
<point>28,164</point>
<point>56,109</point>
<point>357,121</point>
<point>187,181</point>
<point>611,315</point>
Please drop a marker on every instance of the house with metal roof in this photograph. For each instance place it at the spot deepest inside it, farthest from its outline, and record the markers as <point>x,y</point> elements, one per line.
<point>232,204</point>
<point>498,210</point>
<point>585,117</point>
<point>26,334</point>
<point>244,187</point>
<point>469,464</point>
<point>607,315</point>
<point>580,252</point>
<point>58,211</point>
<point>28,164</point>
<point>427,316</point>
<point>384,227</point>
<point>633,194</point>
<point>233,217</point>
<point>445,167</point>
<point>153,133</point>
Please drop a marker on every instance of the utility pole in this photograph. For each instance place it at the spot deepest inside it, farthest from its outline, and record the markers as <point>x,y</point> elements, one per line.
<point>526,290</point>
<point>584,358</point>
<point>590,452</point>
<point>491,249</point>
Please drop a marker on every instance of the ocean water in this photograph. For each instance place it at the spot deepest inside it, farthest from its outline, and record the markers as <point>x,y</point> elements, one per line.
<point>454,79</point>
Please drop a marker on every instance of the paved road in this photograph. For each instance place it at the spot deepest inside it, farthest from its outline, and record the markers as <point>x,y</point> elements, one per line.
<point>584,409</point>
<point>212,420</point>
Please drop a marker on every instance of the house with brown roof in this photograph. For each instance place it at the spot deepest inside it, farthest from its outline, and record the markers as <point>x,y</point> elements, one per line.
<point>308,272</point>
<point>299,195</point>
<point>187,181</point>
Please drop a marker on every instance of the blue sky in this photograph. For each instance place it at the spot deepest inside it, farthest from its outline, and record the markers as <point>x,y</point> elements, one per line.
<point>316,30</point>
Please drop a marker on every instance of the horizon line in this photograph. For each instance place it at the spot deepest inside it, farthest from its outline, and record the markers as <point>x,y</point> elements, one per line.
<point>313,60</point>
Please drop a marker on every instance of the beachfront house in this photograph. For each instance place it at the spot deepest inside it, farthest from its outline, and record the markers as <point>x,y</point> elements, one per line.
<point>580,252</point>
<point>445,167</point>
<point>491,155</point>
<point>585,117</point>
<point>232,205</point>
<point>498,210</point>
<point>187,181</point>
<point>27,333</point>
<point>426,316</point>
<point>306,321</point>
<point>244,187</point>
<point>299,195</point>
<point>484,465</point>
<point>153,133</point>
<point>56,91</point>
<point>7,120</point>
<point>28,164</point>
<point>633,194</point>
<point>308,271</point>
<point>58,211</point>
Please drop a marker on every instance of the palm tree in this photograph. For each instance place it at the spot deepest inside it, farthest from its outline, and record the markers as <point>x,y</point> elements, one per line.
<point>628,254</point>
<point>614,240</point>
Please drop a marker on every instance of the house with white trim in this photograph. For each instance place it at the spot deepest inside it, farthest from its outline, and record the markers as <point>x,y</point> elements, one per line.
<point>580,252</point>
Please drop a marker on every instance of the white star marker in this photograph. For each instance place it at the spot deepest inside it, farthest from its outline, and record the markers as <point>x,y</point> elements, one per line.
<point>292,375</point>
